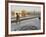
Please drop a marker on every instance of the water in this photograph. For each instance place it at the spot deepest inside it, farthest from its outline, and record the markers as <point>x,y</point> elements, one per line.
<point>26,25</point>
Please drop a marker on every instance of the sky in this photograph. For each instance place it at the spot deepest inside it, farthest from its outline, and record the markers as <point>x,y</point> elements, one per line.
<point>18,8</point>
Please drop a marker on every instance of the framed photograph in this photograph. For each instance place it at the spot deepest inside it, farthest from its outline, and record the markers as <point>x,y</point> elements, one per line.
<point>24,18</point>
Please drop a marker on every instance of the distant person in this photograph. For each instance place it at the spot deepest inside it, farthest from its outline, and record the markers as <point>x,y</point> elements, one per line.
<point>17,18</point>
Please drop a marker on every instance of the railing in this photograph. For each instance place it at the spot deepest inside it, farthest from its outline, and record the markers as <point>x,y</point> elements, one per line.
<point>22,19</point>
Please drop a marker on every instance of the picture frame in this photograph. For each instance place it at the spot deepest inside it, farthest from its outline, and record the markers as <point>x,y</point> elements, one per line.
<point>8,7</point>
